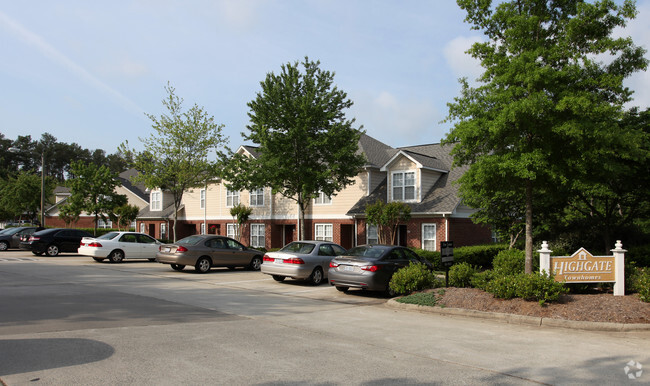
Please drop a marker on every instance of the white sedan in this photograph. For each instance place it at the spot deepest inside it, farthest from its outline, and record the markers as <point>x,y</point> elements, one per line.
<point>117,246</point>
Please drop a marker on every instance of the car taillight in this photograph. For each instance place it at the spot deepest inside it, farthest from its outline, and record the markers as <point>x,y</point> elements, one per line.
<point>34,238</point>
<point>94,244</point>
<point>294,260</point>
<point>181,249</point>
<point>267,258</point>
<point>371,268</point>
<point>333,264</point>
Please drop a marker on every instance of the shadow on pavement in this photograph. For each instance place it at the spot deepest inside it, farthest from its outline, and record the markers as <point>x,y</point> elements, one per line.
<point>28,355</point>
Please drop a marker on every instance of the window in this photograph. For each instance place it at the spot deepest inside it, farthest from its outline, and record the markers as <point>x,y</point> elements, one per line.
<point>156,201</point>
<point>325,250</point>
<point>202,228</point>
<point>142,227</point>
<point>372,236</point>
<point>429,237</point>
<point>163,230</point>
<point>231,230</point>
<point>403,186</point>
<point>257,235</point>
<point>322,199</point>
<point>257,197</point>
<point>324,232</point>
<point>232,197</point>
<point>101,224</point>
<point>202,200</point>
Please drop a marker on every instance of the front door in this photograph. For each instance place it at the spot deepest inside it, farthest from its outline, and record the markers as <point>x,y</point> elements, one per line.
<point>402,235</point>
<point>289,231</point>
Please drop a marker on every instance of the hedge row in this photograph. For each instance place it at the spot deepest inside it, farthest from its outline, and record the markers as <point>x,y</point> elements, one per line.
<point>478,255</point>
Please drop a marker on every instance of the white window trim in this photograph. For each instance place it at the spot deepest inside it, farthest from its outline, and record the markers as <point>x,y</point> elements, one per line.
<point>231,194</point>
<point>156,200</point>
<point>202,196</point>
<point>368,233</point>
<point>232,226</point>
<point>252,193</point>
<point>257,236</point>
<point>163,231</point>
<point>202,228</point>
<point>415,186</point>
<point>320,200</point>
<point>142,227</point>
<point>325,227</point>
<point>435,235</point>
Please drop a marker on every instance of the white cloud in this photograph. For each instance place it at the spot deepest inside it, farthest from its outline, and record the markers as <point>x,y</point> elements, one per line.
<point>395,121</point>
<point>461,63</point>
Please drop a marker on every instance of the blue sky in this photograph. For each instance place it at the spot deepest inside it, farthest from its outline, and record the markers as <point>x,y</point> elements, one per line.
<point>87,71</point>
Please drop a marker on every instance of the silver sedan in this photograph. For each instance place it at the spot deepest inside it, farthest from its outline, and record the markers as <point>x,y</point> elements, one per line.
<point>302,260</point>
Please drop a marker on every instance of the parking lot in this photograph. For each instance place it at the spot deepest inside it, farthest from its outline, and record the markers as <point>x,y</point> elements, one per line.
<point>70,320</point>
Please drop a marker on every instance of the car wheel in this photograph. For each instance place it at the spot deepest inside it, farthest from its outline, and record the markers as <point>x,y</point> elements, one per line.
<point>255,264</point>
<point>278,278</point>
<point>52,250</point>
<point>37,253</point>
<point>390,292</point>
<point>203,265</point>
<point>116,256</point>
<point>4,245</point>
<point>316,276</point>
<point>98,259</point>
<point>177,267</point>
<point>342,289</point>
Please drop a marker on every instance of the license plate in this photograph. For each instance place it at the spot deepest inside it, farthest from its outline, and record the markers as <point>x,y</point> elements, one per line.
<point>348,268</point>
<point>167,250</point>
<point>278,261</point>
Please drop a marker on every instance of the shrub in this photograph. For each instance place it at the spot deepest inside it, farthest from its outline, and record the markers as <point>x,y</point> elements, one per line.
<point>502,286</point>
<point>478,255</point>
<point>510,262</point>
<point>539,287</point>
<point>421,298</point>
<point>641,283</point>
<point>432,256</point>
<point>480,280</point>
<point>460,275</point>
<point>414,277</point>
<point>640,255</point>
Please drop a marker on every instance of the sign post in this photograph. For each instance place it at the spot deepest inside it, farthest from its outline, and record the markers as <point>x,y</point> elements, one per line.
<point>447,255</point>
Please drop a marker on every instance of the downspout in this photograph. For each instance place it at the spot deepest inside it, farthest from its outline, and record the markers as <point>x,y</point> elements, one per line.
<point>446,228</point>
<point>356,230</point>
<point>205,208</point>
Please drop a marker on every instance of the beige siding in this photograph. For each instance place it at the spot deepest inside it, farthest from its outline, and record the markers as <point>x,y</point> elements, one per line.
<point>429,178</point>
<point>343,201</point>
<point>376,177</point>
<point>131,198</point>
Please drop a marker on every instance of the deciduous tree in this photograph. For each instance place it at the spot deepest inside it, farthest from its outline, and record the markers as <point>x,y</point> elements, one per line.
<point>547,93</point>
<point>387,218</point>
<point>306,145</point>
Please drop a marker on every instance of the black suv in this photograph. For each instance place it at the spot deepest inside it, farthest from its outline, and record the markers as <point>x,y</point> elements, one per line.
<point>55,240</point>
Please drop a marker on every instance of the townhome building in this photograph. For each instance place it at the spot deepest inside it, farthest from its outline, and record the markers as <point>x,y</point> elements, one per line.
<point>421,176</point>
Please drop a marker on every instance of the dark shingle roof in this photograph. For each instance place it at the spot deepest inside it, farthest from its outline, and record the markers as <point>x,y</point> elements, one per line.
<point>137,188</point>
<point>167,213</point>
<point>376,152</point>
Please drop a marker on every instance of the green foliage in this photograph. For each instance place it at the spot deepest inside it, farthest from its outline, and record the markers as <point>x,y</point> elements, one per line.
<point>93,191</point>
<point>460,275</point>
<point>429,299</point>
<point>177,156</point>
<point>22,194</point>
<point>124,215</point>
<point>305,143</point>
<point>414,277</point>
<point>547,112</point>
<point>640,255</point>
<point>535,286</point>
<point>387,217</point>
<point>478,255</point>
<point>641,283</point>
<point>510,262</point>
<point>432,257</point>
<point>482,279</point>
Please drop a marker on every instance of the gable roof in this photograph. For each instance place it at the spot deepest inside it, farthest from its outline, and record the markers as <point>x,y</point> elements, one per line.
<point>136,188</point>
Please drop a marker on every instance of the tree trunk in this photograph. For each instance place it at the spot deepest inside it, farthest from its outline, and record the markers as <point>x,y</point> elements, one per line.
<point>529,227</point>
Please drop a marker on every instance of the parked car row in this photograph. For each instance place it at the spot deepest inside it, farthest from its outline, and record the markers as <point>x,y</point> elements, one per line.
<point>368,267</point>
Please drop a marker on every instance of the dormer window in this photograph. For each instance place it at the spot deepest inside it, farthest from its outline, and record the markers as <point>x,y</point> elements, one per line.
<point>403,186</point>
<point>156,200</point>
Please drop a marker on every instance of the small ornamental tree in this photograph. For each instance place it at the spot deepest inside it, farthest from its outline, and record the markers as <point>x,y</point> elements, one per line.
<point>124,215</point>
<point>240,213</point>
<point>387,218</point>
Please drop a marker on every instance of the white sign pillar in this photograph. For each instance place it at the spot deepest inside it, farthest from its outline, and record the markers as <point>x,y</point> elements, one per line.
<point>545,259</point>
<point>619,268</point>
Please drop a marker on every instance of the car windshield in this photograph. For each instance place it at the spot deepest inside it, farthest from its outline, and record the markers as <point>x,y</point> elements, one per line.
<point>108,236</point>
<point>365,252</point>
<point>190,240</point>
<point>305,248</point>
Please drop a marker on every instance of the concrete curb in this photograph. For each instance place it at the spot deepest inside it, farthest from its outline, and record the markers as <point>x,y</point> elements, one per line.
<point>520,319</point>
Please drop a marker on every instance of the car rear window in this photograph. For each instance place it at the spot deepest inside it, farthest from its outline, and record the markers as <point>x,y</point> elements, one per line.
<point>298,248</point>
<point>365,251</point>
<point>190,240</point>
<point>108,236</point>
